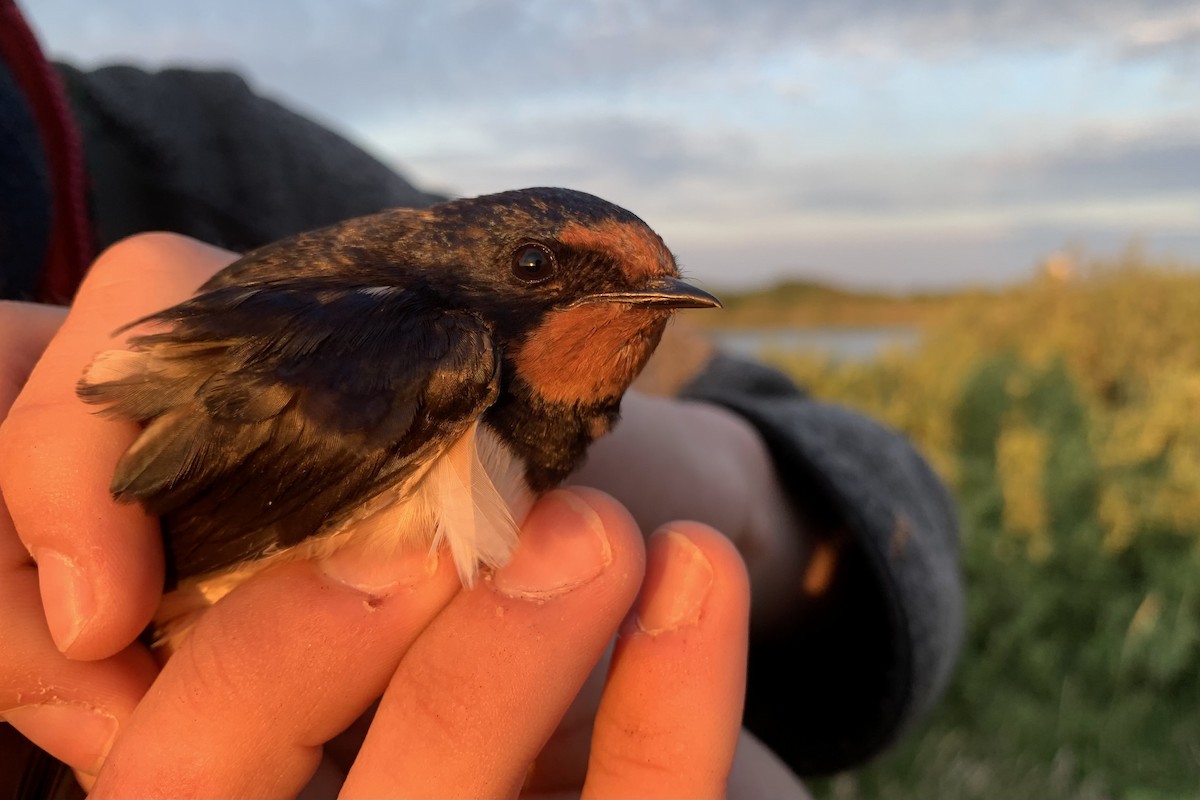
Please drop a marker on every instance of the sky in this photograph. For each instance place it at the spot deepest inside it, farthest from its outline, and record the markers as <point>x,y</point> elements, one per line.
<point>885,144</point>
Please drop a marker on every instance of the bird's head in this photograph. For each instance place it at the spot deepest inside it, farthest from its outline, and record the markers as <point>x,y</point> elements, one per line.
<point>578,289</point>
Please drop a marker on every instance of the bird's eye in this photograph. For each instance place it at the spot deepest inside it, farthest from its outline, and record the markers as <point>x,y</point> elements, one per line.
<point>533,263</point>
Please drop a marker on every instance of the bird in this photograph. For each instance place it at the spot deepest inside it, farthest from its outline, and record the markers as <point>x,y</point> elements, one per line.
<point>449,363</point>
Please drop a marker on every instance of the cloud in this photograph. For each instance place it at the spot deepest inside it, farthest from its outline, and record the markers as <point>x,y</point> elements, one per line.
<point>605,148</point>
<point>1164,32</point>
<point>934,259</point>
<point>938,26</point>
<point>710,172</point>
<point>343,56</point>
<point>1163,160</point>
<point>861,135</point>
<point>1086,165</point>
<point>734,210</point>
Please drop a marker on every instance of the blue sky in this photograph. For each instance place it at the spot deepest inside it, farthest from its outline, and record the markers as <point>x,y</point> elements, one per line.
<point>877,143</point>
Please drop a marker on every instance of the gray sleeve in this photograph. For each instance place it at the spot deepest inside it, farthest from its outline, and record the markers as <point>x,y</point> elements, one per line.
<point>874,651</point>
<point>200,153</point>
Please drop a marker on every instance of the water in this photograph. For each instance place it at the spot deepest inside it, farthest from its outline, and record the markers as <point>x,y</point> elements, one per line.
<point>844,344</point>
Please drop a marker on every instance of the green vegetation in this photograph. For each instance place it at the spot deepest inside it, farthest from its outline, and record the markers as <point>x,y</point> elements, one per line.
<point>1065,413</point>
<point>804,303</point>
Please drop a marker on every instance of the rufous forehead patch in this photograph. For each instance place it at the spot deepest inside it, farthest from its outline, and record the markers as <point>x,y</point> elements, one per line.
<point>639,251</point>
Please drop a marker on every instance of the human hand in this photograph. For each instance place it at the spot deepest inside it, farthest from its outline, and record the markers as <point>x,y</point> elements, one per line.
<point>667,459</point>
<point>100,563</point>
<point>71,670</point>
<point>114,550</point>
<point>473,683</point>
<point>69,708</point>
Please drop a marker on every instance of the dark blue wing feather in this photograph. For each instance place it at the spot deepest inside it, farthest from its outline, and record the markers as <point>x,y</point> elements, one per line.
<point>273,411</point>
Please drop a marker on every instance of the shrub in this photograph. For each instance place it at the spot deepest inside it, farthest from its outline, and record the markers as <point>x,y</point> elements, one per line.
<point>1066,415</point>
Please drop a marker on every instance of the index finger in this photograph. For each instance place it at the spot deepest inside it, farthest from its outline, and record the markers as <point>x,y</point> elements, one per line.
<point>100,564</point>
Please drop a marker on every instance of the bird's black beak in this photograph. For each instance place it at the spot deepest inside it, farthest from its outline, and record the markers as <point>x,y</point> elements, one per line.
<point>660,293</point>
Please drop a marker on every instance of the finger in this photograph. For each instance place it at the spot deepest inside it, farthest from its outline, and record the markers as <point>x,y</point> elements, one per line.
<point>479,693</point>
<point>73,710</point>
<point>561,766</point>
<point>100,563</point>
<point>672,708</point>
<point>25,330</point>
<point>271,672</point>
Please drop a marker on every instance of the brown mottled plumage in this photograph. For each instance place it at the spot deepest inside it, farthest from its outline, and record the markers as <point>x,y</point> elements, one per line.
<point>457,360</point>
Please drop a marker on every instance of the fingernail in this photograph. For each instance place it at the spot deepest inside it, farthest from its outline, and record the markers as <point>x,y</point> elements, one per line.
<point>365,570</point>
<point>74,734</point>
<point>563,546</point>
<point>67,596</point>
<point>678,577</point>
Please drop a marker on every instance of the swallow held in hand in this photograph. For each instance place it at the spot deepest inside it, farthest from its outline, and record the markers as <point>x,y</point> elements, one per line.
<point>456,360</point>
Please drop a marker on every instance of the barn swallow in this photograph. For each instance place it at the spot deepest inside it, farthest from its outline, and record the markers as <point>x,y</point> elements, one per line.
<point>457,360</point>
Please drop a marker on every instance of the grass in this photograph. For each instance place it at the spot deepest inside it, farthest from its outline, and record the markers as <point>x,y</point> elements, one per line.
<point>1065,414</point>
<point>806,304</point>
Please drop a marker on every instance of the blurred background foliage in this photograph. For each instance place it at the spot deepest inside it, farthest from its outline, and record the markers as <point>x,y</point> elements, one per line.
<point>1065,413</point>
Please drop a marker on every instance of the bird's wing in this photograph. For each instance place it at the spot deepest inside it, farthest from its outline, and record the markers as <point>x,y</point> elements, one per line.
<point>273,411</point>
